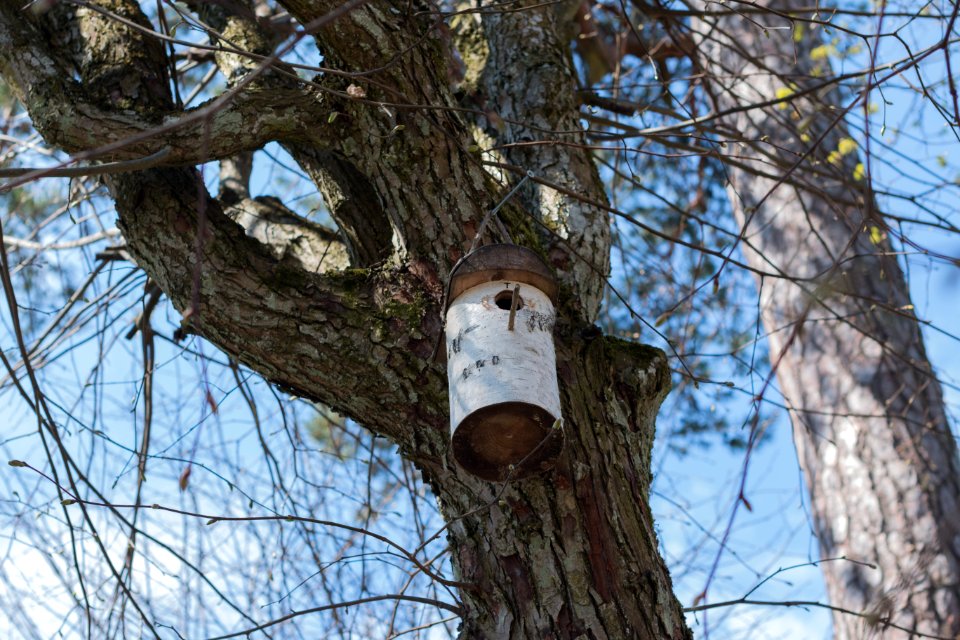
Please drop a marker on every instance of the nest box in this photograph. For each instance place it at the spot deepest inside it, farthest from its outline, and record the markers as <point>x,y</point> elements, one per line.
<point>501,363</point>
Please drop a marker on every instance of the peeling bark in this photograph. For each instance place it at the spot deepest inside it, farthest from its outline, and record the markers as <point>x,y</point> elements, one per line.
<point>520,74</point>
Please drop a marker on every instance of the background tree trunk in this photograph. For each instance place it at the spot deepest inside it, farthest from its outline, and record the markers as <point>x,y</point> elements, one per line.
<point>868,415</point>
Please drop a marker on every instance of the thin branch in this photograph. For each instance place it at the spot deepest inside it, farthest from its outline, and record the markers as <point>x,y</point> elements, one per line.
<point>339,605</point>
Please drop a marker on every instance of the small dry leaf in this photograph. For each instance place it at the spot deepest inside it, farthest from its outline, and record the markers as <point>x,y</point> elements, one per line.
<point>211,401</point>
<point>494,119</point>
<point>356,92</point>
<point>185,478</point>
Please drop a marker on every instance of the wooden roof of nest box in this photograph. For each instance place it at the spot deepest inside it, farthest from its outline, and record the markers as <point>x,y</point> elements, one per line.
<point>501,363</point>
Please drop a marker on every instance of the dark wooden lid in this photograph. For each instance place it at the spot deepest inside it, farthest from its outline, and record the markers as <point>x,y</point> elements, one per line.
<point>502,262</point>
<point>507,441</point>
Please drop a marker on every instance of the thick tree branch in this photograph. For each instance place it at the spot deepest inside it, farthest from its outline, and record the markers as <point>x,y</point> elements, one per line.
<point>407,154</point>
<point>350,197</point>
<point>68,117</point>
<point>287,234</point>
<point>519,72</point>
<point>351,200</point>
<point>355,340</point>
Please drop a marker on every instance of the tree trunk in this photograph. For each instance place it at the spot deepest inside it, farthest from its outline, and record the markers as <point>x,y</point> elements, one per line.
<point>868,415</point>
<point>570,554</point>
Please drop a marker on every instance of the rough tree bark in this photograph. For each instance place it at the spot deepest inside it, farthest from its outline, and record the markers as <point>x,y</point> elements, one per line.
<point>868,415</point>
<point>570,554</point>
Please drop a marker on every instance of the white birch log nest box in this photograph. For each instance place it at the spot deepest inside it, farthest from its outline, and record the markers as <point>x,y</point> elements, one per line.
<point>501,363</point>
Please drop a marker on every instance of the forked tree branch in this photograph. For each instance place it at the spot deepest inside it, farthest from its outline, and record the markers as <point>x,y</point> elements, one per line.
<point>64,114</point>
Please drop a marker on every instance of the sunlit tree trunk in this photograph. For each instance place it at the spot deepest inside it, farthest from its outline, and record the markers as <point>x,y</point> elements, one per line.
<point>569,554</point>
<point>868,415</point>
